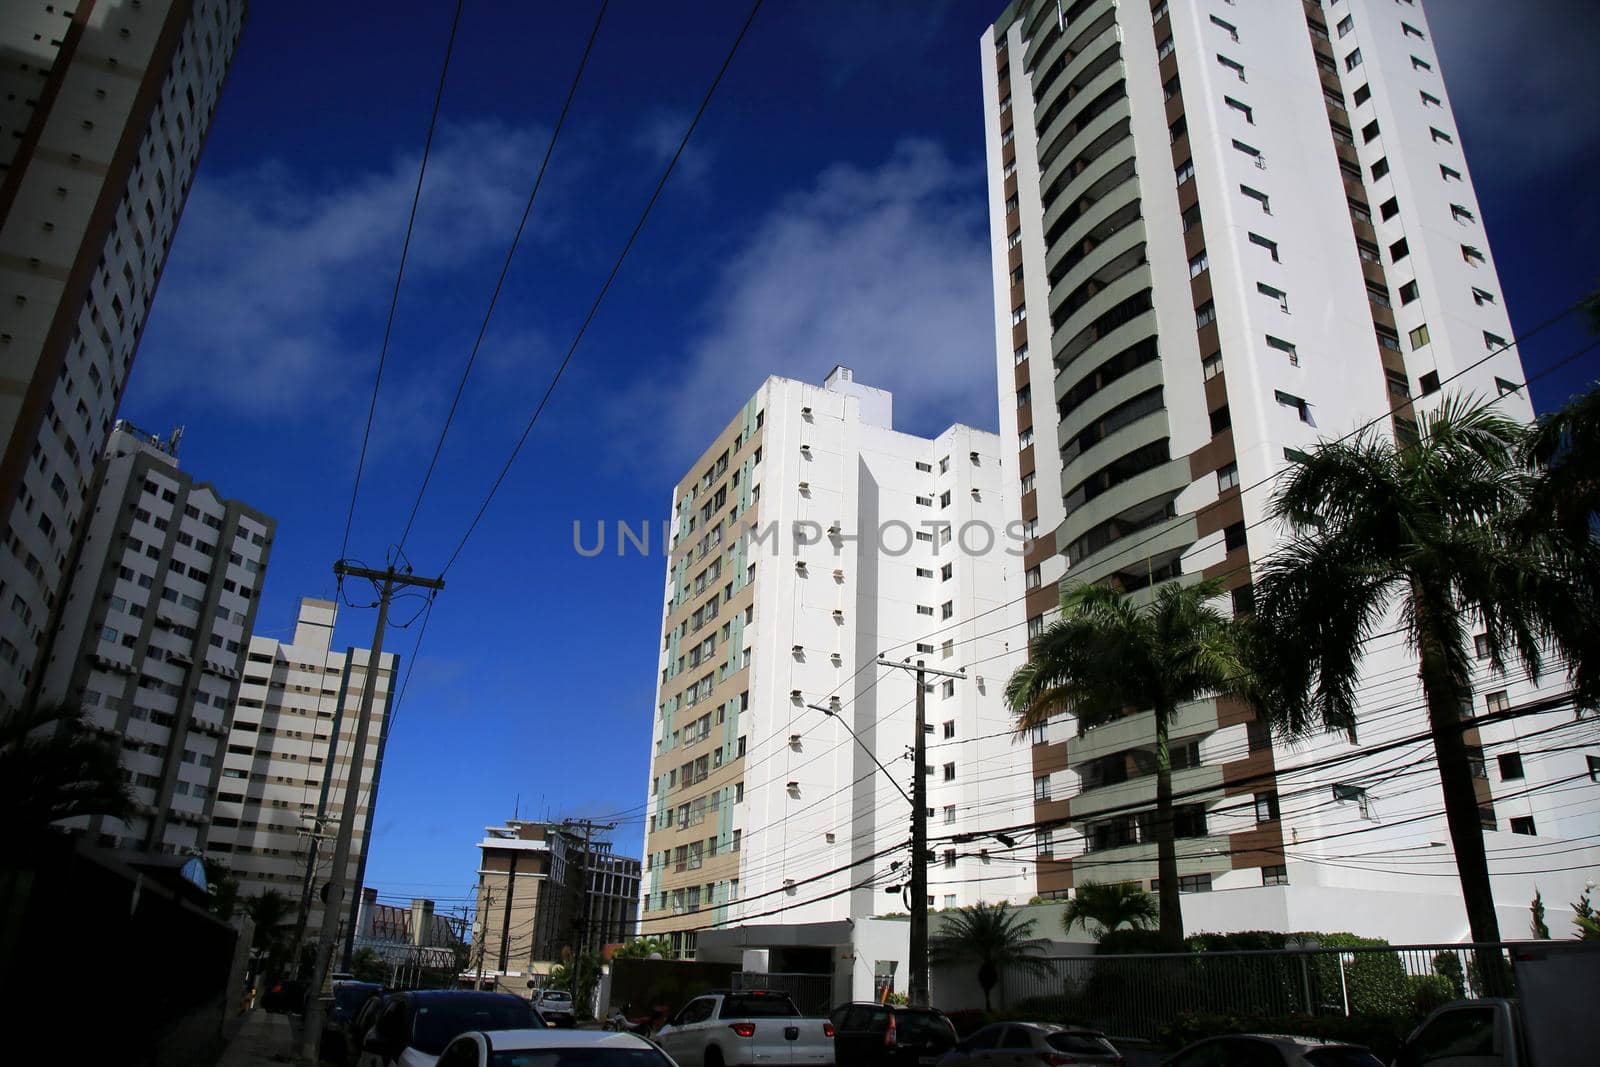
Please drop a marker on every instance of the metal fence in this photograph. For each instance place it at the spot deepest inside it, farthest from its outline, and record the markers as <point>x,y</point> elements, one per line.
<point>1135,996</point>
<point>811,993</point>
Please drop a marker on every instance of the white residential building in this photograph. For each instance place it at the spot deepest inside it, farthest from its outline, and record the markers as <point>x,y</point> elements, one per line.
<point>153,628</point>
<point>810,538</point>
<point>104,108</point>
<point>288,759</point>
<point>1223,232</point>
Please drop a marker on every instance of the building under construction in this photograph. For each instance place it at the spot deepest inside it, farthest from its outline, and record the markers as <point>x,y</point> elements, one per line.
<point>545,888</point>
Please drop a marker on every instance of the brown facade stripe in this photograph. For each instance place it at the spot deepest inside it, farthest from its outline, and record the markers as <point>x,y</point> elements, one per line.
<point>1261,847</point>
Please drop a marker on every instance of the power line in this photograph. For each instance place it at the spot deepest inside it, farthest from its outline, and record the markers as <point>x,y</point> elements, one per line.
<point>605,287</point>
<point>394,296</point>
<point>505,268</point>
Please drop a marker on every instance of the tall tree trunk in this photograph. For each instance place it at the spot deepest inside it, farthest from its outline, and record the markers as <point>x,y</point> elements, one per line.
<point>1166,847</point>
<point>1444,694</point>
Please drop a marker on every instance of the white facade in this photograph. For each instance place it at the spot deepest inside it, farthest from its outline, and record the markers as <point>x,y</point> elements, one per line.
<point>153,630</point>
<point>833,539</point>
<point>1222,233</point>
<point>104,112</point>
<point>288,759</point>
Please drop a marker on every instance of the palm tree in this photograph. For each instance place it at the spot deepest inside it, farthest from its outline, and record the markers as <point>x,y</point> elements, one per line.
<point>1565,447</point>
<point>1106,654</point>
<point>1439,528</point>
<point>1110,905</point>
<point>56,765</point>
<point>642,948</point>
<point>995,937</point>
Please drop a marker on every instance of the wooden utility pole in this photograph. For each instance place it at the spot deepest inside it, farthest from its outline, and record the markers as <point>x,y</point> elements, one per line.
<point>918,985</point>
<point>387,581</point>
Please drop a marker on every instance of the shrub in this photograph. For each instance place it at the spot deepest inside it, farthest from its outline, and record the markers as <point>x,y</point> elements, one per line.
<point>1128,941</point>
<point>1428,991</point>
<point>1382,1034</point>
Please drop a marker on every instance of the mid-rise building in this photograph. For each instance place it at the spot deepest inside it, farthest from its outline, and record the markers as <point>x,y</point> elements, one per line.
<point>808,539</point>
<point>281,795</point>
<point>544,887</point>
<point>104,107</point>
<point>1220,234</point>
<point>152,631</point>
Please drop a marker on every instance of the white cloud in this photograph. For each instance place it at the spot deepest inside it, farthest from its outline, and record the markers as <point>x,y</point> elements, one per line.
<point>885,270</point>
<point>273,299</point>
<point>1522,81</point>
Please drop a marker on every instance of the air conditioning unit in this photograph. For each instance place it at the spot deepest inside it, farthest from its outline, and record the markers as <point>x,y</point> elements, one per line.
<point>805,450</point>
<point>805,413</point>
<point>794,695</point>
<point>799,650</point>
<point>838,615</point>
<point>805,487</point>
<point>833,531</point>
<point>974,456</point>
<point>794,740</point>
<point>837,659</point>
<point>975,494</point>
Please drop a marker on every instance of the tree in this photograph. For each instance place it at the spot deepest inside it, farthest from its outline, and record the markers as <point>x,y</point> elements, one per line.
<point>56,765</point>
<point>222,888</point>
<point>643,948</point>
<point>273,915</point>
<point>1585,919</point>
<point>993,936</point>
<point>1439,529</point>
<point>368,966</point>
<point>1110,905</point>
<point>1540,931</point>
<point>578,974</point>
<point>1106,655</point>
<point>1565,448</point>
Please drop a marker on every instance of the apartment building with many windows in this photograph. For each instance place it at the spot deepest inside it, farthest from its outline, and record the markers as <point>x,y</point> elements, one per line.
<point>152,632</point>
<point>1222,232</point>
<point>104,107</point>
<point>808,539</point>
<point>282,790</point>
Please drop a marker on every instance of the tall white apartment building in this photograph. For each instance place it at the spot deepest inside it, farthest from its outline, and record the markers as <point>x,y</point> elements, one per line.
<point>1222,232</point>
<point>153,629</point>
<point>104,107</point>
<point>282,790</point>
<point>808,539</point>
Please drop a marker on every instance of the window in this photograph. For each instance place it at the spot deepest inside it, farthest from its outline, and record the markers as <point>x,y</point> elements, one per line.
<point>1399,250</point>
<point>1233,65</point>
<point>1018,314</point>
<point>1014,238</point>
<point>1369,132</point>
<point>1353,60</point>
<point>1494,342</point>
<point>1440,135</point>
<point>1523,824</point>
<point>1387,338</point>
<point>1409,292</point>
<point>1472,255</point>
<point>1227,27</point>
<point>1417,63</point>
<point>1164,49</point>
<point>1211,366</point>
<point>1025,438</point>
<point>1274,293</point>
<point>1344,793</point>
<point>1170,88</point>
<point>1511,767</point>
<point>1233,536</point>
<point>1429,100</point>
<point>1368,251</point>
<point>1020,356</point>
<point>1270,245</point>
<point>1186,171</point>
<point>1380,168</point>
<point>947,610</point>
<point>1278,875</point>
<point>1242,108</point>
<point>1267,807</point>
<point>1378,294</point>
<point>1199,264</point>
<point>1259,197</point>
<point>1449,174</point>
<point>1251,151</point>
<point>1482,296</point>
<point>1220,420</point>
<point>924,609</point>
<point>1419,337</point>
<point>949,772</point>
<point>1505,387</point>
<point>1007,134</point>
<point>1429,383</point>
<point>1228,477</point>
<point>1411,31</point>
<point>949,814</point>
<point>1179,127</point>
<point>1191,218</point>
<point>1289,400</point>
<point>950,726</point>
<point>1205,313</point>
<point>1041,788</point>
<point>1345,25</point>
<point>1362,94</point>
<point>947,690</point>
<point>948,571</point>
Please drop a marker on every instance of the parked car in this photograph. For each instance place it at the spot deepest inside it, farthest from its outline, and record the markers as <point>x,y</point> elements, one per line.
<point>556,1007</point>
<point>359,1026</point>
<point>414,1027</point>
<point>1032,1044</point>
<point>867,1034</point>
<point>1271,1050</point>
<point>725,1029</point>
<point>546,1048</point>
<point>349,997</point>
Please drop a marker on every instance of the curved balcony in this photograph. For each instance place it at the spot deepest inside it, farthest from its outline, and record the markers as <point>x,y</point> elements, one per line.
<point>1103,93</point>
<point>1059,61</point>
<point>1101,268</point>
<point>1120,407</point>
<point>1095,473</point>
<point>1160,531</point>
<point>1065,212</point>
<point>1164,480</point>
<point>1126,298</point>
<point>1074,78</point>
<point>1111,149</point>
<point>1118,209</point>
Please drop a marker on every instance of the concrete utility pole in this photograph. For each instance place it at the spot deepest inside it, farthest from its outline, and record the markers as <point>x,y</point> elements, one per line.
<point>387,582</point>
<point>918,985</point>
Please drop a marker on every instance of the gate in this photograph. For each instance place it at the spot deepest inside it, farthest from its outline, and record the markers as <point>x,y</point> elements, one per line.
<point>811,993</point>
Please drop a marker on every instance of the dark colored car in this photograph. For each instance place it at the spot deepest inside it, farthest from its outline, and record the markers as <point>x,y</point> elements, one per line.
<point>339,1043</point>
<point>883,1035</point>
<point>1273,1050</point>
<point>365,1017</point>
<point>1033,1045</point>
<point>413,1027</point>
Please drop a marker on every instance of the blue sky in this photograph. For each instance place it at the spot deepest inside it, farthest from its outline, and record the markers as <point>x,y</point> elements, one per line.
<point>830,209</point>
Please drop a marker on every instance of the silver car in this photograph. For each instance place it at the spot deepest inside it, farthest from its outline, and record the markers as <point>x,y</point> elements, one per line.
<point>1271,1050</point>
<point>1032,1045</point>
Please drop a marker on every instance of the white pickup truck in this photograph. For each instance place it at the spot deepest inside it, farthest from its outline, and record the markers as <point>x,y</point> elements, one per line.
<point>754,1028</point>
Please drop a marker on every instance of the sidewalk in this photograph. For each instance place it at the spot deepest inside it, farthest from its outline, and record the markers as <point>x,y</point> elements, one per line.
<point>265,1039</point>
